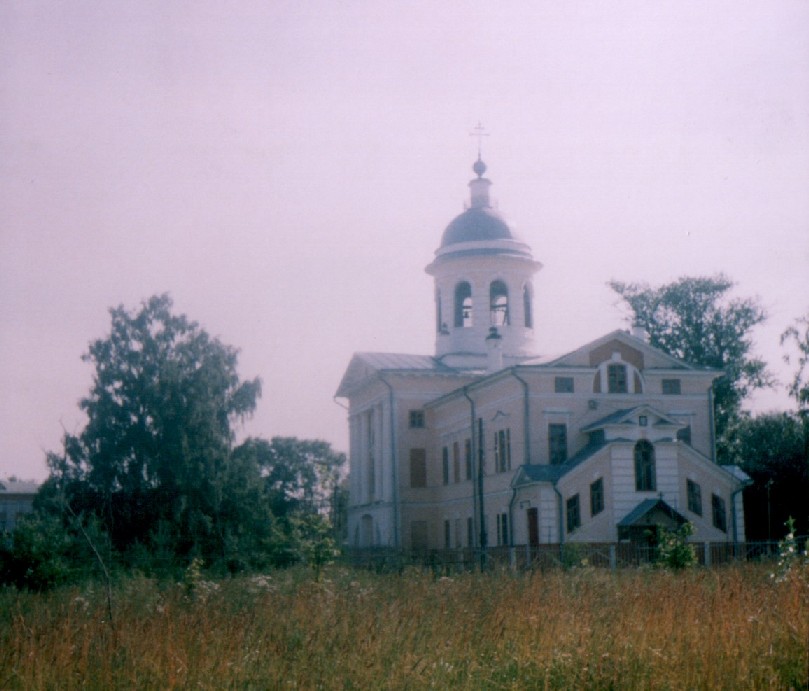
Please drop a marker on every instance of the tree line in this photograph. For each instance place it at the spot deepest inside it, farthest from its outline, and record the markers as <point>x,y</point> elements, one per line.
<point>156,480</point>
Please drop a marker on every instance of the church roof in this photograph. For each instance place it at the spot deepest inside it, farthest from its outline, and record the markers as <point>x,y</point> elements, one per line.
<point>742,477</point>
<point>657,358</point>
<point>402,361</point>
<point>365,365</point>
<point>529,474</point>
<point>480,229</point>
<point>476,224</point>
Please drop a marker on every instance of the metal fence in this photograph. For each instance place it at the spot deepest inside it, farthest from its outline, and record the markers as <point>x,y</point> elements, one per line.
<point>551,556</point>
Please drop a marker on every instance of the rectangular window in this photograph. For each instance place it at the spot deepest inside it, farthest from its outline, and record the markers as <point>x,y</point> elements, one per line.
<point>720,518</point>
<point>573,513</point>
<point>456,461</point>
<point>502,450</point>
<point>418,535</point>
<point>694,492</point>
<point>458,532</point>
<point>416,419</point>
<point>557,443</point>
<point>684,435</point>
<point>671,387</point>
<point>447,535</point>
<point>502,529</point>
<point>467,451</point>
<point>597,497</point>
<point>445,465</point>
<point>563,385</point>
<point>616,379</point>
<point>418,468</point>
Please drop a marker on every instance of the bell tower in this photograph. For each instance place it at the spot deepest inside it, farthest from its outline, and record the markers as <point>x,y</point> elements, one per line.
<point>483,280</point>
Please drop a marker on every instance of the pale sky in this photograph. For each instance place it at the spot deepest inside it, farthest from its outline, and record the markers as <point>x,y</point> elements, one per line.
<point>285,171</point>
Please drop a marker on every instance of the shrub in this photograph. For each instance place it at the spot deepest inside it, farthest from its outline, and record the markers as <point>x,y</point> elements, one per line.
<point>36,555</point>
<point>673,549</point>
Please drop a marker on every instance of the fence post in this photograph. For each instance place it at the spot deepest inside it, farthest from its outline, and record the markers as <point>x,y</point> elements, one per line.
<point>707,554</point>
<point>613,558</point>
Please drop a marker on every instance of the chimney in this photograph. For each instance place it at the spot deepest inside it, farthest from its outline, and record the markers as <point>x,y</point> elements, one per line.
<point>494,348</point>
<point>639,331</point>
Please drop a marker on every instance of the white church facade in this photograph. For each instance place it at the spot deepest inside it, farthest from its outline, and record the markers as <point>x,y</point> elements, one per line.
<point>486,444</point>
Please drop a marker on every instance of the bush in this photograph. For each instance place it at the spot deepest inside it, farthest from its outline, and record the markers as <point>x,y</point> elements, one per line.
<point>36,555</point>
<point>673,549</point>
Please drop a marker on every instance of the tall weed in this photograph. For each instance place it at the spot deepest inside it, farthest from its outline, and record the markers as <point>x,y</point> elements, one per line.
<point>584,628</point>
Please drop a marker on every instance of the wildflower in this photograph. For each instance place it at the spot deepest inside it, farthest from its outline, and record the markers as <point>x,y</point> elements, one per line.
<point>789,556</point>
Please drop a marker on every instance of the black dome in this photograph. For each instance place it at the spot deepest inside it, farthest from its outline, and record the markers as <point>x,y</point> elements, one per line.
<point>476,224</point>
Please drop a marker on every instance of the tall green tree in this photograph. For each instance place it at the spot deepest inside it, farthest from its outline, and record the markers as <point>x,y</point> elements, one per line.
<point>796,336</point>
<point>300,475</point>
<point>696,320</point>
<point>302,485</point>
<point>772,450</point>
<point>154,458</point>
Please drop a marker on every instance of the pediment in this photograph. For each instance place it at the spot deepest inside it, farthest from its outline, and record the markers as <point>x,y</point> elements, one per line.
<point>630,349</point>
<point>357,373</point>
<point>637,417</point>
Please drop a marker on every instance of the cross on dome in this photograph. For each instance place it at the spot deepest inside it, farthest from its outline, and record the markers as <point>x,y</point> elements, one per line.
<point>479,166</point>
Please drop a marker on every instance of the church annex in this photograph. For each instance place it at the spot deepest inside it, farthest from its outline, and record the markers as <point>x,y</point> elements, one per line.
<point>486,444</point>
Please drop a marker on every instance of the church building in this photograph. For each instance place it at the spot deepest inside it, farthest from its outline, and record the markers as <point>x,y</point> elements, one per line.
<point>485,443</point>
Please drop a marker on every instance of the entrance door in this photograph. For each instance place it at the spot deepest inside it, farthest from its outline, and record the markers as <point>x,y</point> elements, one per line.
<point>532,515</point>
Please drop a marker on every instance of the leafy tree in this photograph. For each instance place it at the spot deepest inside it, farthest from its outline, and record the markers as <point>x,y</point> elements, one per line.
<point>153,462</point>
<point>302,485</point>
<point>694,320</point>
<point>772,450</point>
<point>797,335</point>
<point>300,475</point>
<point>37,554</point>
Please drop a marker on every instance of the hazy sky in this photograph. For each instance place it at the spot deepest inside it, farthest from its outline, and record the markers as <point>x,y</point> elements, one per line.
<point>285,171</point>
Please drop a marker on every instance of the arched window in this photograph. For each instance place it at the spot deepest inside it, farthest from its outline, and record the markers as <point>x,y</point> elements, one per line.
<point>616,376</point>
<point>527,305</point>
<point>644,467</point>
<point>498,303</point>
<point>438,319</point>
<point>463,304</point>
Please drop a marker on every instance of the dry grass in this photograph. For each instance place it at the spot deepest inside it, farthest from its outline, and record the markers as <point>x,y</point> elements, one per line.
<point>731,628</point>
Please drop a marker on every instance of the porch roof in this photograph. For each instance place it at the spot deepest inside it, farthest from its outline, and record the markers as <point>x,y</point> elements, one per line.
<point>638,515</point>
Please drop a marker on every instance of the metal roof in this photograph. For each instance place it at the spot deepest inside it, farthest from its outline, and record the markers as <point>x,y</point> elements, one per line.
<point>529,474</point>
<point>404,361</point>
<point>737,473</point>
<point>14,486</point>
<point>639,513</point>
<point>476,224</point>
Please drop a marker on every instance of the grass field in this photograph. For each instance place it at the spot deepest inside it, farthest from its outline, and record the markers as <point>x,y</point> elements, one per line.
<point>728,628</point>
